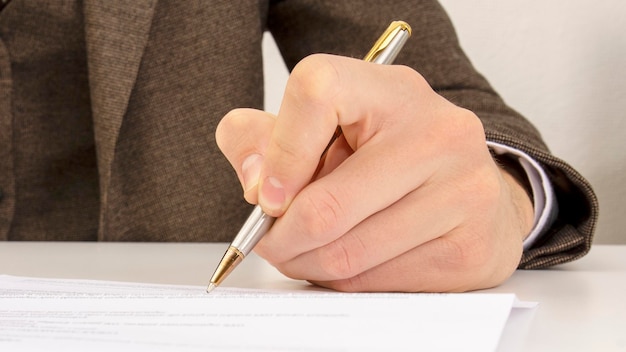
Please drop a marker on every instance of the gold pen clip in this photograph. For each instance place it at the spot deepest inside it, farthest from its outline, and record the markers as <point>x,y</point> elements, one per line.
<point>391,34</point>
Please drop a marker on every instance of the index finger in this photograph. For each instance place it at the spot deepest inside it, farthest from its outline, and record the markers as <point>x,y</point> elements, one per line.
<point>323,91</point>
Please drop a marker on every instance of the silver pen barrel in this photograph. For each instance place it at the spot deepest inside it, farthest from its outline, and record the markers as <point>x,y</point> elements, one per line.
<point>388,56</point>
<point>257,224</point>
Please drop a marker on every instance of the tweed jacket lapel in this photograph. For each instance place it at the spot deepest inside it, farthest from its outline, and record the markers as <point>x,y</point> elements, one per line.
<point>116,33</point>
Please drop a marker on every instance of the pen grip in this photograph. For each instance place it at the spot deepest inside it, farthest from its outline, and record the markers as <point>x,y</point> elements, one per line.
<point>257,224</point>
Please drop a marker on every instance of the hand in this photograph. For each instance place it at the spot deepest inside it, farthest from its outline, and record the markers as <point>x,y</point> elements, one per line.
<point>408,199</point>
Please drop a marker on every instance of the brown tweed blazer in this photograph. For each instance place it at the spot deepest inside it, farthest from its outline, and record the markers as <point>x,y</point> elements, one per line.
<point>162,73</point>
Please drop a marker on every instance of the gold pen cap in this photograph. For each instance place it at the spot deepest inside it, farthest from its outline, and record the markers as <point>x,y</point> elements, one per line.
<point>388,45</point>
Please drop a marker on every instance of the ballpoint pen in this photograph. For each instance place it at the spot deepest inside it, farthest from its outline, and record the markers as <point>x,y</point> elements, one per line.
<point>258,223</point>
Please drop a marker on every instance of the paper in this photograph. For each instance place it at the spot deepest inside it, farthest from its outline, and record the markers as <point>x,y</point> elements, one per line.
<point>82,315</point>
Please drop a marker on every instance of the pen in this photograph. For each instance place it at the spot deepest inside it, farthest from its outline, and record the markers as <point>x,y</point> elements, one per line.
<point>258,223</point>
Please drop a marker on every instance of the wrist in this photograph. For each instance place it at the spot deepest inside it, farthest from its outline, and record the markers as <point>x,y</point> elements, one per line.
<point>521,202</point>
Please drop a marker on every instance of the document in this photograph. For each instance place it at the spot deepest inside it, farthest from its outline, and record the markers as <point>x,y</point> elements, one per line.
<point>84,315</point>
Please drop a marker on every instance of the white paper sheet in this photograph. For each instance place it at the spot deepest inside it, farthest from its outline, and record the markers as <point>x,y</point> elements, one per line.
<point>81,315</point>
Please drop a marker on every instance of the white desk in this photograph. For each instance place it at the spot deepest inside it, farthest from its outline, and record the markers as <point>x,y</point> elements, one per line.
<point>581,304</point>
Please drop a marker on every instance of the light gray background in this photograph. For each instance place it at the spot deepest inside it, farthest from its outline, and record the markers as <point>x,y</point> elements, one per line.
<point>560,63</point>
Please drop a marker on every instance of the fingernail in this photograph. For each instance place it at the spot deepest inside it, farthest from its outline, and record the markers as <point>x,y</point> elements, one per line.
<point>251,170</point>
<point>272,195</point>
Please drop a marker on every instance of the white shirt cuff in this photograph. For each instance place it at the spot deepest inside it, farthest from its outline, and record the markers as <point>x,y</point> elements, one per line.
<point>543,193</point>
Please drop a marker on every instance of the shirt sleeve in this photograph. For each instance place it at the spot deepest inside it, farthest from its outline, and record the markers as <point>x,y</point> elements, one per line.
<point>545,206</point>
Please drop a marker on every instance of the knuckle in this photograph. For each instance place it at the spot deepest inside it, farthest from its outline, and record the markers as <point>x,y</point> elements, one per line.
<point>468,254</point>
<point>288,151</point>
<point>321,213</point>
<point>482,189</point>
<point>414,78</point>
<point>337,261</point>
<point>353,284</point>
<point>465,128</point>
<point>479,262</point>
<point>316,78</point>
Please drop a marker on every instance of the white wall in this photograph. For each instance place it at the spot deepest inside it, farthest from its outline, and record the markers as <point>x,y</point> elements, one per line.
<point>560,63</point>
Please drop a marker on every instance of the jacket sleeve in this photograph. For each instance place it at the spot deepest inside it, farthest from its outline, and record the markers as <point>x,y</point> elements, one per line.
<point>350,27</point>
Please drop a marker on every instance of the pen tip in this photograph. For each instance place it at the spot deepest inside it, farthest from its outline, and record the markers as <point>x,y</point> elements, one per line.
<point>210,287</point>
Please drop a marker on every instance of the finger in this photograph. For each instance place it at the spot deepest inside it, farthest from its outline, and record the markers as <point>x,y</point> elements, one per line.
<point>443,265</point>
<point>337,202</point>
<point>481,252</point>
<point>418,218</point>
<point>322,92</point>
<point>452,263</point>
<point>242,136</point>
<point>433,267</point>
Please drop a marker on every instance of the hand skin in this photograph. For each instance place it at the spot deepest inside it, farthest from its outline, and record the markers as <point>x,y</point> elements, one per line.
<point>409,198</point>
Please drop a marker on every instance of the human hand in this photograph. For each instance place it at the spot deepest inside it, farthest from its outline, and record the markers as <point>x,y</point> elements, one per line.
<point>408,199</point>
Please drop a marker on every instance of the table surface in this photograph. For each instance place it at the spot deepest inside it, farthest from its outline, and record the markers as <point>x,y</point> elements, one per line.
<point>581,304</point>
